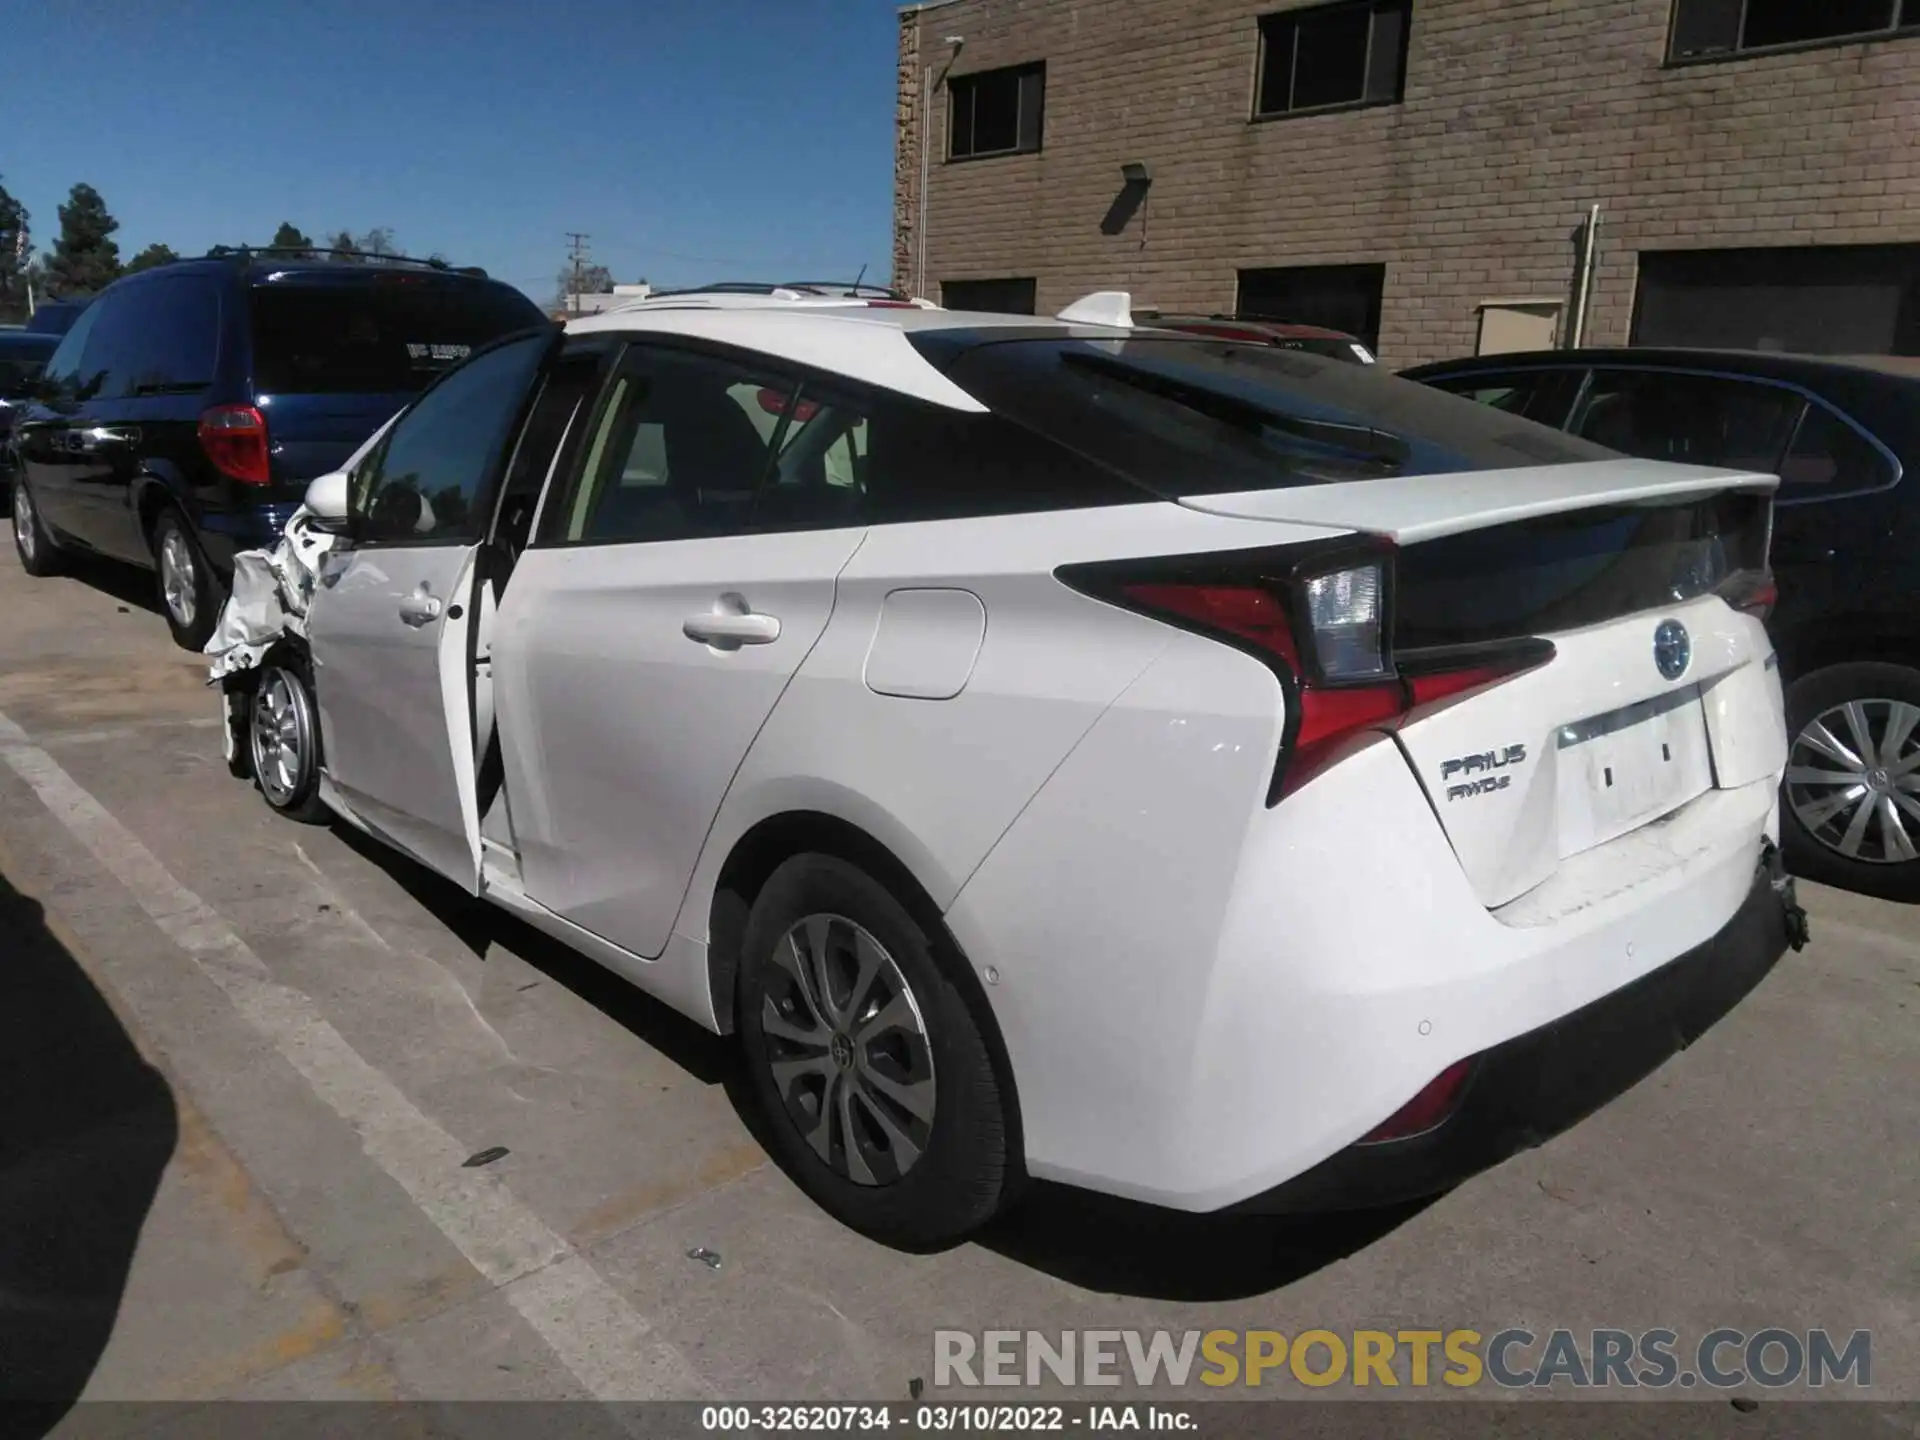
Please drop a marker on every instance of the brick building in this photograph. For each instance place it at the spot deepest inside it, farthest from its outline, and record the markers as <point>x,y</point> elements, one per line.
<point>1420,170</point>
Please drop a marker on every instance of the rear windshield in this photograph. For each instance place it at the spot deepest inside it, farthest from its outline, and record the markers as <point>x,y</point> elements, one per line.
<point>1197,417</point>
<point>384,337</point>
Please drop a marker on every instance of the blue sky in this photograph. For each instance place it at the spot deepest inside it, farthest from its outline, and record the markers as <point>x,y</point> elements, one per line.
<point>691,141</point>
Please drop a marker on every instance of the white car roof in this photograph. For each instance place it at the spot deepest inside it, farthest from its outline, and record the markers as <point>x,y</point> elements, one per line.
<point>860,341</point>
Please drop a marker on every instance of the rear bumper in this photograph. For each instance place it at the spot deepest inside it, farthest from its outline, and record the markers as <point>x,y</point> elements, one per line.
<point>225,533</point>
<point>1534,1086</point>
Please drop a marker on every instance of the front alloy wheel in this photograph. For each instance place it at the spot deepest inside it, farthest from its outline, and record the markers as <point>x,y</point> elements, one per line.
<point>30,539</point>
<point>283,743</point>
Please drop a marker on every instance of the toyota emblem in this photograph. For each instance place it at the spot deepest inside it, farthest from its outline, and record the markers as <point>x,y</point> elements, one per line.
<point>1672,649</point>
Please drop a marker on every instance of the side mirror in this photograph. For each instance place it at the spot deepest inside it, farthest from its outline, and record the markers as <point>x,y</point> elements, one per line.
<point>327,502</point>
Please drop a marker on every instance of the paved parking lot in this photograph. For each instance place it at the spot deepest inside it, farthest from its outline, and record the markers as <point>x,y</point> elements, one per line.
<point>244,1061</point>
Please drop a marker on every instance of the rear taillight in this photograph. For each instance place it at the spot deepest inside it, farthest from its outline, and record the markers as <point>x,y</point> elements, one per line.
<point>1321,620</point>
<point>234,438</point>
<point>1751,592</point>
<point>1428,1110</point>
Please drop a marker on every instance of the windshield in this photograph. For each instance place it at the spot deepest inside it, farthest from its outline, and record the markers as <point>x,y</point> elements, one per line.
<point>1192,417</point>
<point>376,338</point>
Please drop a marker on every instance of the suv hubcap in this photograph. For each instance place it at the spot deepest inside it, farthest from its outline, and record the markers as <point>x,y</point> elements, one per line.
<point>177,577</point>
<point>23,519</point>
<point>848,1049</point>
<point>280,739</point>
<point>1853,779</point>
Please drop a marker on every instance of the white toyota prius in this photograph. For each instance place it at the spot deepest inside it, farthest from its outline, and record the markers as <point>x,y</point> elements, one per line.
<point>1200,772</point>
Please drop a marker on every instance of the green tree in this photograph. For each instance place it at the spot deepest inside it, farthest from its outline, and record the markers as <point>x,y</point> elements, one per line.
<point>593,280</point>
<point>16,252</point>
<point>154,254</point>
<point>84,258</point>
<point>343,241</point>
<point>288,237</point>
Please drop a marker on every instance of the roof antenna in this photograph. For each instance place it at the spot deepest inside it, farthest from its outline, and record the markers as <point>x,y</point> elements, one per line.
<point>861,276</point>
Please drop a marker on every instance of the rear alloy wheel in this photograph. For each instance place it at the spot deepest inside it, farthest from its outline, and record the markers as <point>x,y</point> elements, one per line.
<point>283,739</point>
<point>866,1060</point>
<point>189,594</point>
<point>38,555</point>
<point>1853,779</point>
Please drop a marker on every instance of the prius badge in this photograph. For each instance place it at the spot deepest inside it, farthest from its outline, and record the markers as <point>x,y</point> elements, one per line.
<point>1485,768</point>
<point>1672,649</point>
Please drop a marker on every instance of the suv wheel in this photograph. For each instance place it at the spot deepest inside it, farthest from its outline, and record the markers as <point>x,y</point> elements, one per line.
<point>38,554</point>
<point>189,595</point>
<point>1853,779</point>
<point>866,1060</point>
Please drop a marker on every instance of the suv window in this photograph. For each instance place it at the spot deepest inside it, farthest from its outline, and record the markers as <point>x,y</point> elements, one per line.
<point>1194,417</point>
<point>388,335</point>
<point>66,366</point>
<point>1543,395</point>
<point>1690,419</point>
<point>1830,457</point>
<point>424,483</point>
<point>157,337</point>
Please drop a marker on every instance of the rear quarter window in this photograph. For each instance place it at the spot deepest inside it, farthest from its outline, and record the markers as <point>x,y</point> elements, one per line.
<point>1191,417</point>
<point>375,337</point>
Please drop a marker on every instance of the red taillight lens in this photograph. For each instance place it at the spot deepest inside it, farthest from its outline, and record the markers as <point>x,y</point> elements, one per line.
<point>1323,628</point>
<point>1427,1110</point>
<point>235,440</point>
<point>1752,593</point>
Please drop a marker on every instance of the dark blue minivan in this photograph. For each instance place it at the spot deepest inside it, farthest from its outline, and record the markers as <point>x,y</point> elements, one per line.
<point>182,416</point>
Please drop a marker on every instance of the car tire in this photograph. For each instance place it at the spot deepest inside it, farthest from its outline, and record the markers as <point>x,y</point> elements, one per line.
<point>39,556</point>
<point>1850,813</point>
<point>883,1105</point>
<point>190,595</point>
<point>283,741</point>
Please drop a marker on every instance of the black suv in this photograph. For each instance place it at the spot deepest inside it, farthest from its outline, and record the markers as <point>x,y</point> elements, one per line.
<point>1846,553</point>
<point>182,416</point>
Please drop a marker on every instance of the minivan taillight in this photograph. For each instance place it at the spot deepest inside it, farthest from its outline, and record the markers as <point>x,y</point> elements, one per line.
<point>234,438</point>
<point>1320,619</point>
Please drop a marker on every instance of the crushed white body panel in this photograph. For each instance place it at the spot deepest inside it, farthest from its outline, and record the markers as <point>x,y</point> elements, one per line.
<point>271,590</point>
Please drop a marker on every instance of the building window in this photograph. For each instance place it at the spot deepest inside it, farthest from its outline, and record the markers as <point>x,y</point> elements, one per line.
<point>996,112</point>
<point>1325,57</point>
<point>1339,297</point>
<point>999,297</point>
<point>1706,29</point>
<point>1813,300</point>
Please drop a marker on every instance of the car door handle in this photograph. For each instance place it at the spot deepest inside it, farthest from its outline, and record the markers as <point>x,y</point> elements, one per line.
<point>420,608</point>
<point>729,631</point>
<point>101,437</point>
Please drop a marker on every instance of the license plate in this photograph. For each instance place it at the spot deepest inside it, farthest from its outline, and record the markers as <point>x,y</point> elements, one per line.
<point>1620,770</point>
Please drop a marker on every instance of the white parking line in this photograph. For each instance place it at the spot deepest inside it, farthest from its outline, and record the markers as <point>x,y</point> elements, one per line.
<point>607,1344</point>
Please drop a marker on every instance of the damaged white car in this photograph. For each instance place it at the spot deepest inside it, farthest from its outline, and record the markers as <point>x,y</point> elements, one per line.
<point>1201,772</point>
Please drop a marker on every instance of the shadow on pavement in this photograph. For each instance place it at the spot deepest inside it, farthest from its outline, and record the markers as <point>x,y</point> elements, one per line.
<point>129,584</point>
<point>477,924</point>
<point>86,1129</point>
<point>1120,1247</point>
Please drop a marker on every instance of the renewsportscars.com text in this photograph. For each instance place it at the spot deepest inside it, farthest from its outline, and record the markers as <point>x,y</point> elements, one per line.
<point>1512,1358</point>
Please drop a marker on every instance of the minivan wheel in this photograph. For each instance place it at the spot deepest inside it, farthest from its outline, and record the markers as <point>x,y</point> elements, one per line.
<point>190,597</point>
<point>866,1061</point>
<point>38,554</point>
<point>1852,794</point>
<point>283,742</point>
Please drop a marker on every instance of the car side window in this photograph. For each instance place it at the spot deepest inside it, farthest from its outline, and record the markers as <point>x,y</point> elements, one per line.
<point>425,482</point>
<point>1830,457</point>
<point>1690,419</point>
<point>1541,395</point>
<point>170,338</point>
<point>64,366</point>
<point>679,451</point>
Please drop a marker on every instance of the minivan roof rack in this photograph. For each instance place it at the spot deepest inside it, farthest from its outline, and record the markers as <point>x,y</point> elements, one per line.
<point>312,252</point>
<point>830,289</point>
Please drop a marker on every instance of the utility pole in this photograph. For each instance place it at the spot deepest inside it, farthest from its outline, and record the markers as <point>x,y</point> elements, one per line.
<point>577,246</point>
